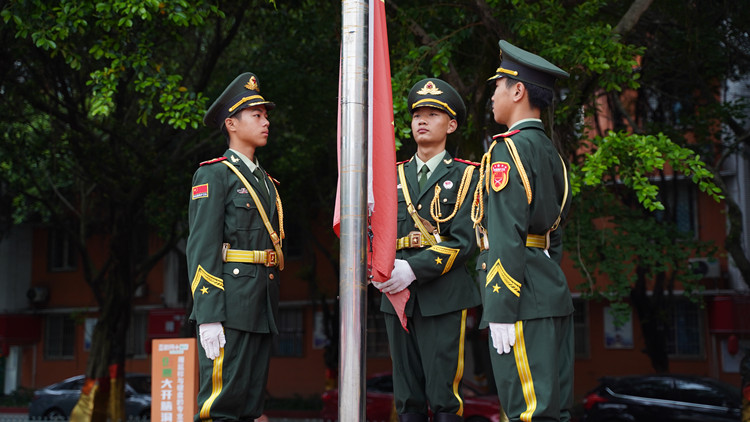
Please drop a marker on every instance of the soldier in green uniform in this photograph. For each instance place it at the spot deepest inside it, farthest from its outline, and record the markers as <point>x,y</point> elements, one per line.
<point>435,238</point>
<point>234,258</point>
<point>523,189</point>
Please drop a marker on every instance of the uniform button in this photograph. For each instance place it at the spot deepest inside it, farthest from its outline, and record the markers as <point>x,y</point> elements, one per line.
<point>270,276</point>
<point>484,265</point>
<point>419,207</point>
<point>445,199</point>
<point>236,271</point>
<point>247,205</point>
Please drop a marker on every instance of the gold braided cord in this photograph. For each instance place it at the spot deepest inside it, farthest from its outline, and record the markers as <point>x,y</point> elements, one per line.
<point>517,159</point>
<point>477,205</point>
<point>280,210</point>
<point>462,191</point>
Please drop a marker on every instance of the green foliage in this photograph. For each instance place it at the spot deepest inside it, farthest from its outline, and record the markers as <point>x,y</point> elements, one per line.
<point>631,159</point>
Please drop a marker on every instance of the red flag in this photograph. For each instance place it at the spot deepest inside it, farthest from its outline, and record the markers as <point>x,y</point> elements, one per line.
<point>382,159</point>
<point>381,174</point>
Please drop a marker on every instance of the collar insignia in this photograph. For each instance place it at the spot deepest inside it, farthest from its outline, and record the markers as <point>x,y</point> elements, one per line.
<point>429,88</point>
<point>252,84</point>
<point>447,160</point>
<point>235,159</point>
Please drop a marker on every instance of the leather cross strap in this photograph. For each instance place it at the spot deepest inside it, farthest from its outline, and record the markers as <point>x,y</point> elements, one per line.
<point>413,211</point>
<point>274,236</point>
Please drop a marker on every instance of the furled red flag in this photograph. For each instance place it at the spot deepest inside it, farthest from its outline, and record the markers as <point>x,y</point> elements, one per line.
<point>381,163</point>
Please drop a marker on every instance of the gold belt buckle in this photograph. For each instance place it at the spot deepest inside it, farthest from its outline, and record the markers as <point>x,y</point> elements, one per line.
<point>270,258</point>
<point>415,239</point>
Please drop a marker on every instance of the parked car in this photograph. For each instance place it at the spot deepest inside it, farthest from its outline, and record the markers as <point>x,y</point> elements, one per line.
<point>662,398</point>
<point>478,407</point>
<point>56,401</point>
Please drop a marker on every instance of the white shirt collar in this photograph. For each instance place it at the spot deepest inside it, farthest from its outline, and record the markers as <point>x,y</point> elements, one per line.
<point>531,119</point>
<point>432,163</point>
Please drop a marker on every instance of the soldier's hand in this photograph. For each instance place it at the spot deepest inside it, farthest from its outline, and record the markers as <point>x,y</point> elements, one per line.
<point>212,338</point>
<point>503,336</point>
<point>401,277</point>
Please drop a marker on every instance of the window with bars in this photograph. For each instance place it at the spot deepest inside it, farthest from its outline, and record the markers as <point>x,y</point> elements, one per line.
<point>290,341</point>
<point>377,337</point>
<point>686,331</point>
<point>59,337</point>
<point>137,334</point>
<point>581,328</point>
<point>61,254</point>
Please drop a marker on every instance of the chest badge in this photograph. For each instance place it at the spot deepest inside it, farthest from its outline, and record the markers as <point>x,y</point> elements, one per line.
<point>500,172</point>
<point>242,191</point>
<point>448,184</point>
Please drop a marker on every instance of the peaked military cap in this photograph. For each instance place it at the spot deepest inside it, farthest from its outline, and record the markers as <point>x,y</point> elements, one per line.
<point>518,63</point>
<point>243,92</point>
<point>434,92</point>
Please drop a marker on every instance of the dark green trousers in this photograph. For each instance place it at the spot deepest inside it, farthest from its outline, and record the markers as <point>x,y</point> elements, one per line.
<point>428,362</point>
<point>535,380</point>
<point>232,385</point>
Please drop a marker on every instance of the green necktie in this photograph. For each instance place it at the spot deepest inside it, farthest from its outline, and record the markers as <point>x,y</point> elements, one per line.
<point>262,180</point>
<point>423,177</point>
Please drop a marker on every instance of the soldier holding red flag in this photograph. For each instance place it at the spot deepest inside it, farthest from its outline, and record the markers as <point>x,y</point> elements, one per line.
<point>435,238</point>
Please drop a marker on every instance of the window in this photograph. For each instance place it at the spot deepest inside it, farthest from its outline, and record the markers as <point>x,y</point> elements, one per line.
<point>377,337</point>
<point>62,255</point>
<point>290,340</point>
<point>685,339</point>
<point>581,328</point>
<point>678,197</point>
<point>59,337</point>
<point>136,341</point>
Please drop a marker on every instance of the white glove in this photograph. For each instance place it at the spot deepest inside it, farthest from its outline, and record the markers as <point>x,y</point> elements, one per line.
<point>212,338</point>
<point>401,277</point>
<point>503,336</point>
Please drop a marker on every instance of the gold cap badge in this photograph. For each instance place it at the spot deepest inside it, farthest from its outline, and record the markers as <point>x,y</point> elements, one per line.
<point>252,84</point>
<point>429,88</point>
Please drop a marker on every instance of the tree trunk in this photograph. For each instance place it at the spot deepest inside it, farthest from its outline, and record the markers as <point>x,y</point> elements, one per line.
<point>652,318</point>
<point>106,363</point>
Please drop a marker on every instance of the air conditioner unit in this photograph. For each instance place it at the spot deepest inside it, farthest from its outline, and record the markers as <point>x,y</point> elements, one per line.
<point>707,267</point>
<point>37,294</point>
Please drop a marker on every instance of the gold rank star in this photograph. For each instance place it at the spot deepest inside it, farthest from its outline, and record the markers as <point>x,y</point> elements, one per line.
<point>204,290</point>
<point>495,289</point>
<point>438,260</point>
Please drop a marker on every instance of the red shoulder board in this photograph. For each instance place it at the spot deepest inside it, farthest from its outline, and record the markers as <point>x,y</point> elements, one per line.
<point>405,161</point>
<point>506,134</point>
<point>471,163</point>
<point>215,160</point>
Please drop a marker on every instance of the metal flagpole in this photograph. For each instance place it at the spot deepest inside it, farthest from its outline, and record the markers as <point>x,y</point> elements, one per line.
<point>353,176</point>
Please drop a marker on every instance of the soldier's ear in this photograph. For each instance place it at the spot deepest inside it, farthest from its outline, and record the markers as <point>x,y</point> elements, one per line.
<point>452,126</point>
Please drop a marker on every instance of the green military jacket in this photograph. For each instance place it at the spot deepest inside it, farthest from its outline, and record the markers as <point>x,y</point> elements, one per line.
<point>442,283</point>
<point>522,282</point>
<point>242,296</point>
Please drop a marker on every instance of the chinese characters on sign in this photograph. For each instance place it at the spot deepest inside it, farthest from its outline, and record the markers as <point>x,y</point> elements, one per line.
<point>174,380</point>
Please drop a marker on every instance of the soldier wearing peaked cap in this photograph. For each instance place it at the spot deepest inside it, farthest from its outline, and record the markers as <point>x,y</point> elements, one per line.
<point>234,258</point>
<point>435,239</point>
<point>523,191</point>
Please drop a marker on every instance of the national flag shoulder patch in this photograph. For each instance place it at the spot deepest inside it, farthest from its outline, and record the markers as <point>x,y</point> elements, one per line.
<point>200,191</point>
<point>500,171</point>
